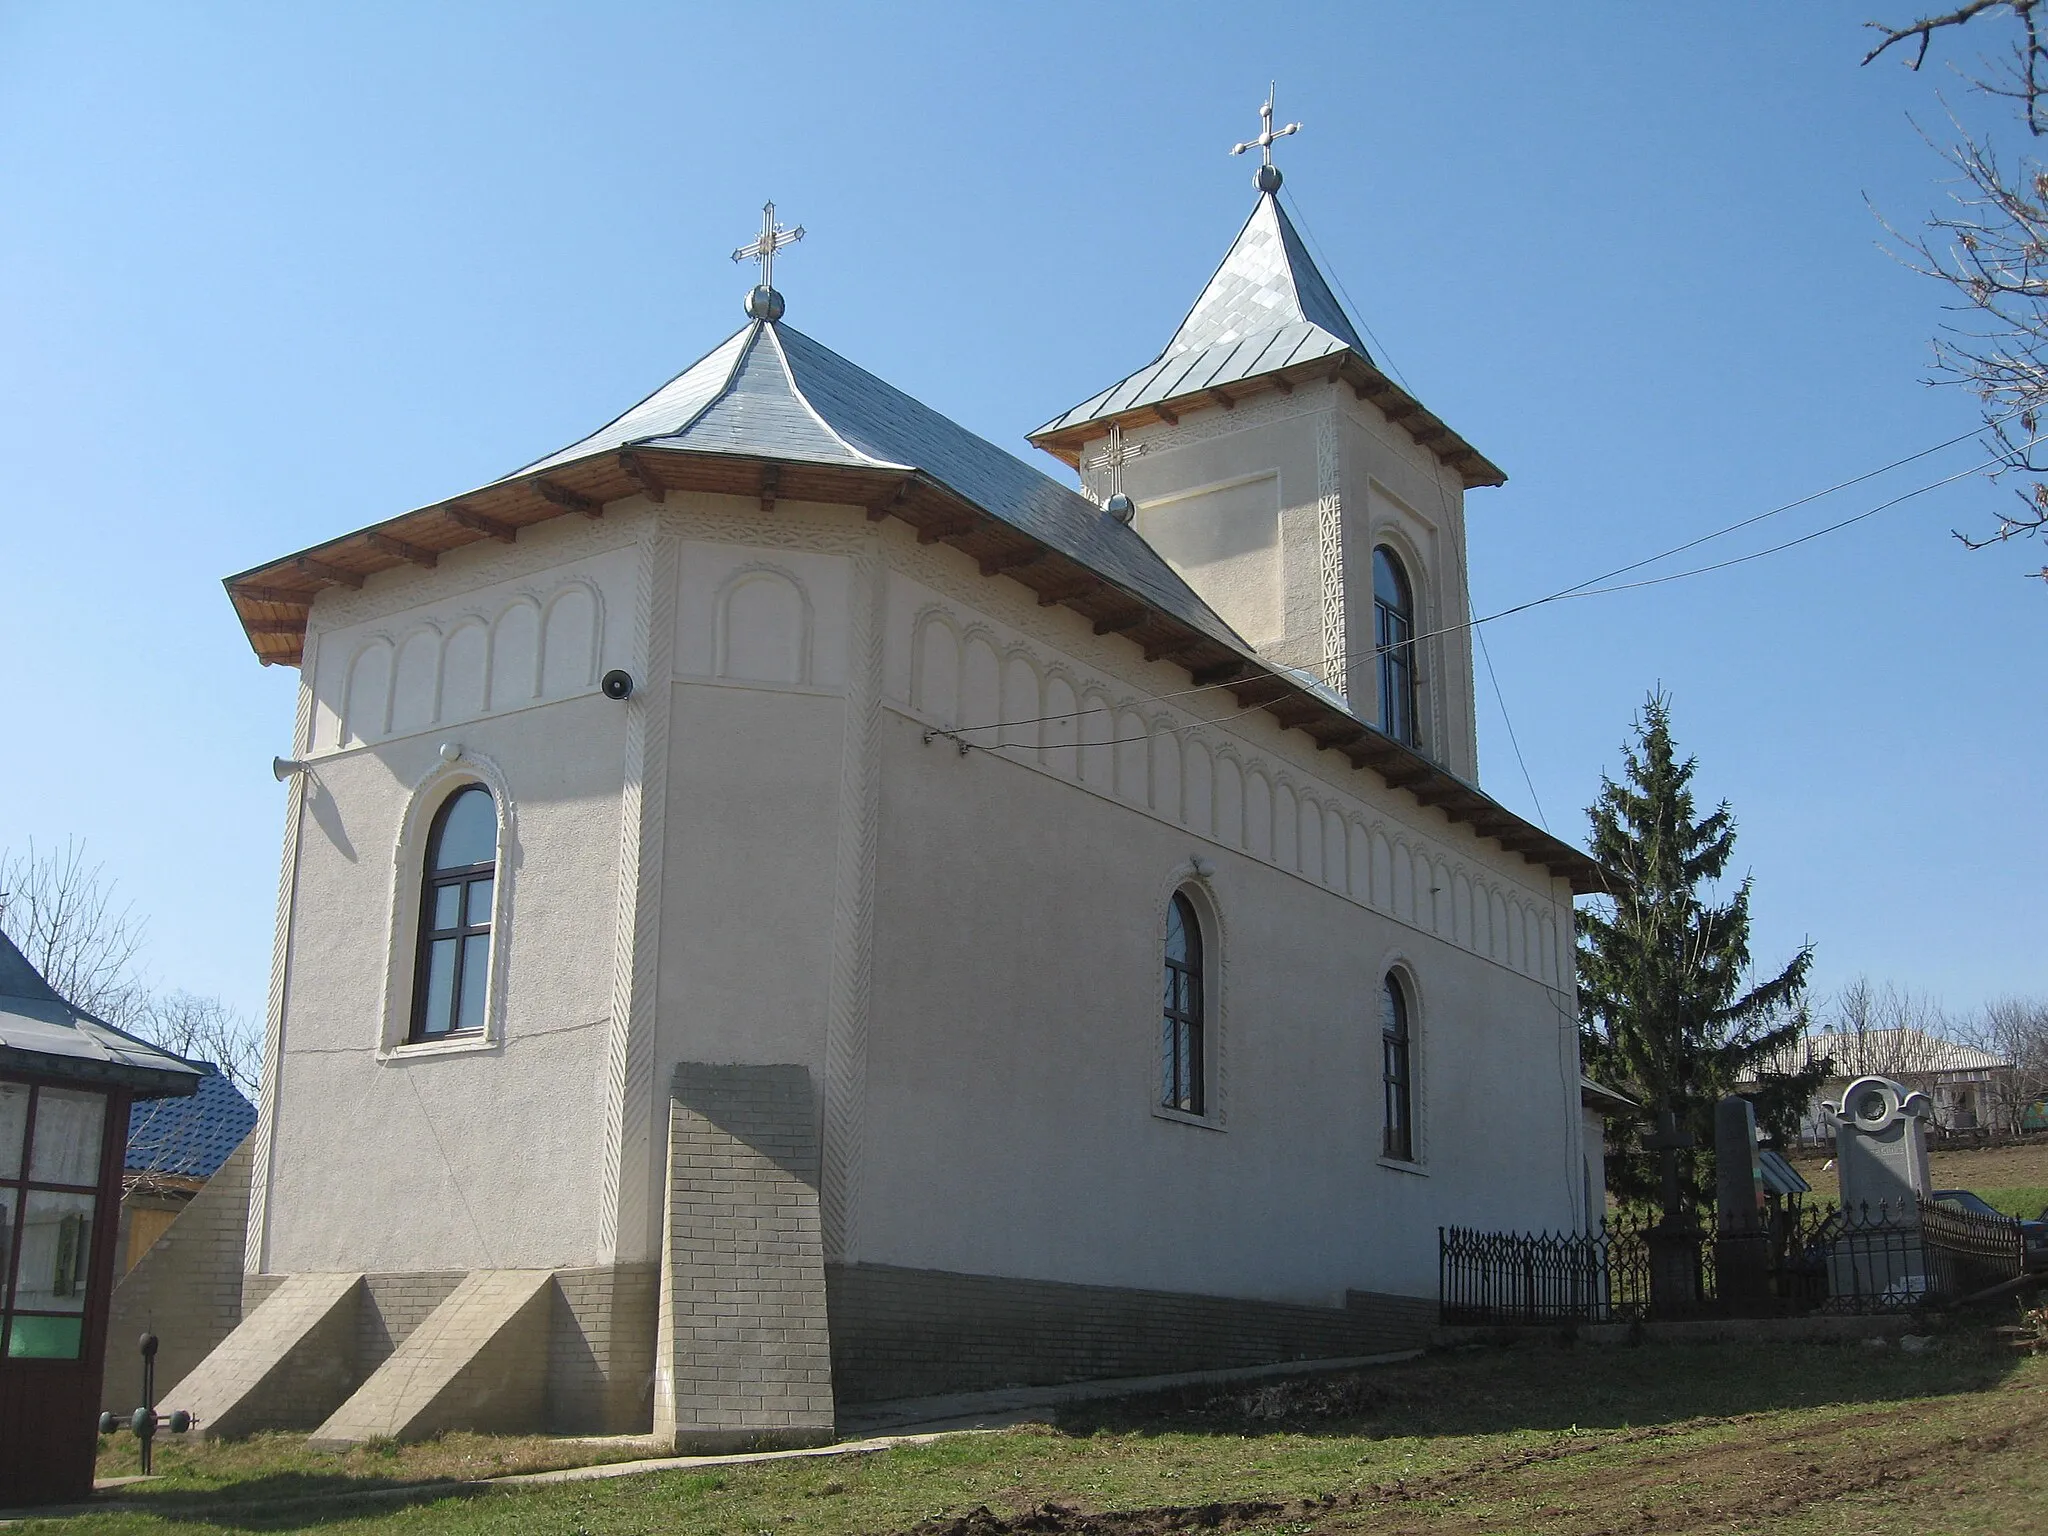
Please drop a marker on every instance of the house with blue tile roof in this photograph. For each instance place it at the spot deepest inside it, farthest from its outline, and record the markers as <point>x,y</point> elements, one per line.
<point>174,1147</point>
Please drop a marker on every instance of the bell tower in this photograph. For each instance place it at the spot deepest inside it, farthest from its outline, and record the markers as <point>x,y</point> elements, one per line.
<point>1309,499</point>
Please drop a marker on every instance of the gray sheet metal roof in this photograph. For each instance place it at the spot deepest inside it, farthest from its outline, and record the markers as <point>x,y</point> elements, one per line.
<point>771,392</point>
<point>41,1033</point>
<point>1266,308</point>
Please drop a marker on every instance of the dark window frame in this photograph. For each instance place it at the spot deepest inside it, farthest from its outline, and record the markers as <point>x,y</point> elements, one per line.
<point>1394,645</point>
<point>1183,1069</point>
<point>1397,1071</point>
<point>15,1227</point>
<point>462,879</point>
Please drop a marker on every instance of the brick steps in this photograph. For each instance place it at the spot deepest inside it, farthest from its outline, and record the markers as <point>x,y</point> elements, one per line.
<point>478,1361</point>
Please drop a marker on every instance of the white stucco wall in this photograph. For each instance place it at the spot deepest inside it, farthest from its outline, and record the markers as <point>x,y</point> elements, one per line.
<point>1013,1049</point>
<point>379,1156</point>
<point>963,949</point>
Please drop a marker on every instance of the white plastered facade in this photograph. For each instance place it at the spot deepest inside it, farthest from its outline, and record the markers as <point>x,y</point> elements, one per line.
<point>767,856</point>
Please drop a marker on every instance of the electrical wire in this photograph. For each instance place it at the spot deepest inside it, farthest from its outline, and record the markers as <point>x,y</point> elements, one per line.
<point>1586,588</point>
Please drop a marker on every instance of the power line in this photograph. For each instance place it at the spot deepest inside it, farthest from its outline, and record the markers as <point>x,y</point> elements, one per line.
<point>1587,588</point>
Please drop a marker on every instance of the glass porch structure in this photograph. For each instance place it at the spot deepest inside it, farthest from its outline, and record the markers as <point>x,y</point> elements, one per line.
<point>67,1081</point>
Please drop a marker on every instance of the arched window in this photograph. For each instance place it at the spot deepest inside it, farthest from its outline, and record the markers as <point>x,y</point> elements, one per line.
<point>1396,1071</point>
<point>1393,609</point>
<point>454,962</point>
<point>1180,1025</point>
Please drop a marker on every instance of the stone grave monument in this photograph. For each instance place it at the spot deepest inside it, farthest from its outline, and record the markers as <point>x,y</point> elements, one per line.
<point>1881,1161</point>
<point>1741,1238</point>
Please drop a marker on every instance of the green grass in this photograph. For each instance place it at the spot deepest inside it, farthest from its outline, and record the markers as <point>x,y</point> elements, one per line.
<point>1790,1438</point>
<point>2027,1200</point>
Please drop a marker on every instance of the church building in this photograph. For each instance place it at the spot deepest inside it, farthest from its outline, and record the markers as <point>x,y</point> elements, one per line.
<point>786,906</point>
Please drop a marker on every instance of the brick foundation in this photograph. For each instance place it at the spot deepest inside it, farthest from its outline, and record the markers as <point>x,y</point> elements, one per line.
<point>915,1332</point>
<point>744,1357</point>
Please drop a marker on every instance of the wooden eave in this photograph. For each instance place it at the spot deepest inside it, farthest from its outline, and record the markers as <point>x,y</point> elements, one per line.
<point>1366,382</point>
<point>274,600</point>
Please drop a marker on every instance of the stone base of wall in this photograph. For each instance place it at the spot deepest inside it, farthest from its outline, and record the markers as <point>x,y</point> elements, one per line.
<point>599,1359</point>
<point>916,1332</point>
<point>896,1333</point>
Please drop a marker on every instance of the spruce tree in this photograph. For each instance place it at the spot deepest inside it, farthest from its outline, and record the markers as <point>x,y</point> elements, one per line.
<point>1671,1015</point>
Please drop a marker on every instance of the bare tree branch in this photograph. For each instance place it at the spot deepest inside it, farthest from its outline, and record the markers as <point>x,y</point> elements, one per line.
<point>1991,250</point>
<point>65,916</point>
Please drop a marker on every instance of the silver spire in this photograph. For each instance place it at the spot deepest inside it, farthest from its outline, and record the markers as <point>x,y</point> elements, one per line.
<point>1268,177</point>
<point>1112,458</point>
<point>764,303</point>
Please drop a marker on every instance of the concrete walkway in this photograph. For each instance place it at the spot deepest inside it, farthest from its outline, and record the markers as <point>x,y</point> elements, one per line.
<point>906,1421</point>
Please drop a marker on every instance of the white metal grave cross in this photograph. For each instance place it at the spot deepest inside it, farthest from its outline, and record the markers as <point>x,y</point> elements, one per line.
<point>1112,459</point>
<point>773,238</point>
<point>1267,132</point>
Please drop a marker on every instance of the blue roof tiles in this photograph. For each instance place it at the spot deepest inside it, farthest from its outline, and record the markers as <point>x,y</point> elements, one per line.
<point>189,1138</point>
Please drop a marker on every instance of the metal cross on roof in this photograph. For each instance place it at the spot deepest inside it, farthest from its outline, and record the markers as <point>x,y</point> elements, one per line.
<point>764,303</point>
<point>1268,178</point>
<point>1112,459</point>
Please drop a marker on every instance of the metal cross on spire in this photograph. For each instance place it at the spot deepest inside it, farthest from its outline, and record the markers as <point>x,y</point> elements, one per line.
<point>1112,458</point>
<point>764,303</point>
<point>1268,177</point>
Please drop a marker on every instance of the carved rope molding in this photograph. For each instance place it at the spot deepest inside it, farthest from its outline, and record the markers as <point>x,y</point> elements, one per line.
<point>256,1236</point>
<point>624,1211</point>
<point>853,910</point>
<point>1330,549</point>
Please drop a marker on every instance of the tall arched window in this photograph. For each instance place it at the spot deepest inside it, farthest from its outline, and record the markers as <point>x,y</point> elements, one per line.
<point>1180,1025</point>
<point>1396,1071</point>
<point>454,962</point>
<point>1393,608</point>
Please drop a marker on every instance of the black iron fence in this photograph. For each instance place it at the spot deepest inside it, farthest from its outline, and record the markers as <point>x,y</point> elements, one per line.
<point>1805,1259</point>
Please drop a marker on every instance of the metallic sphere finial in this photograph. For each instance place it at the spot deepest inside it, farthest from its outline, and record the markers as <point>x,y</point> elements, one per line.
<point>1268,177</point>
<point>764,303</point>
<point>1113,457</point>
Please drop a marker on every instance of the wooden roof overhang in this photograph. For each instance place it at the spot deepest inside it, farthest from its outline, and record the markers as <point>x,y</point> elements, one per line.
<point>274,600</point>
<point>1366,382</point>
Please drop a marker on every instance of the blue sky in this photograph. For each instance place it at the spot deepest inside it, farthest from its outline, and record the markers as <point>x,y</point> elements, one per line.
<point>275,272</point>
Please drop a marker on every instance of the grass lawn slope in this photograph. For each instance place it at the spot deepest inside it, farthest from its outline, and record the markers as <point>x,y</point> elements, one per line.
<point>1540,1435</point>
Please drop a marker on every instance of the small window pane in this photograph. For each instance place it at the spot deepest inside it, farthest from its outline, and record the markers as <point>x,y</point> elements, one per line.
<point>45,1338</point>
<point>479,915</point>
<point>476,969</point>
<point>67,1149</point>
<point>1389,581</point>
<point>469,831</point>
<point>447,903</point>
<point>7,1199</point>
<point>13,1127</point>
<point>56,1253</point>
<point>440,986</point>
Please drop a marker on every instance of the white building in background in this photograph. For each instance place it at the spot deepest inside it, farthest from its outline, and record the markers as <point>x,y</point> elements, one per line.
<point>787,906</point>
<point>1971,1089</point>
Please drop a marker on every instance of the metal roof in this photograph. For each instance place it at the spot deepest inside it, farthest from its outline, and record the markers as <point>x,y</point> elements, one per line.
<point>1266,314</point>
<point>41,1033</point>
<point>771,413</point>
<point>1881,1053</point>
<point>1266,308</point>
<point>189,1138</point>
<point>771,392</point>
